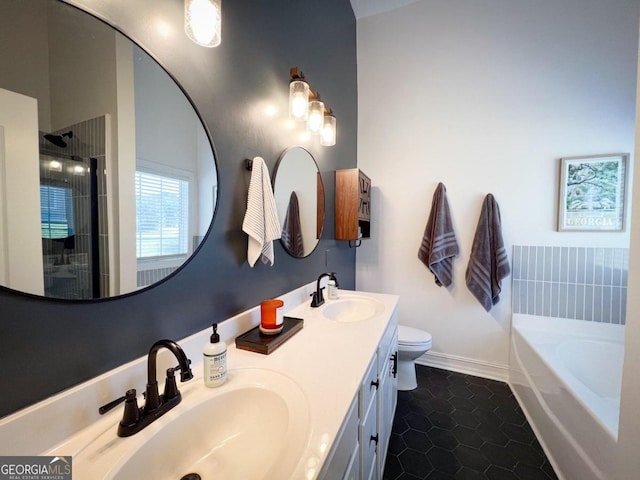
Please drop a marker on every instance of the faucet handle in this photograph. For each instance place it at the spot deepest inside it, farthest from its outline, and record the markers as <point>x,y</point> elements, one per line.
<point>131,415</point>
<point>170,387</point>
<point>109,406</point>
<point>131,410</point>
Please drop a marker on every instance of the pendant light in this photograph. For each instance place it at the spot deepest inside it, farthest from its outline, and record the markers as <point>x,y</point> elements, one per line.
<point>298,96</point>
<point>328,137</point>
<point>203,21</point>
<point>315,122</point>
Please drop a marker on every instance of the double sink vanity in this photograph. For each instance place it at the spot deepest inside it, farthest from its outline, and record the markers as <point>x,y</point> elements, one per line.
<point>319,406</point>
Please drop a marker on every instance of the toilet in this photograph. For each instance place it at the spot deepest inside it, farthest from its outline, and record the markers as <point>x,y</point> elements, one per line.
<point>412,343</point>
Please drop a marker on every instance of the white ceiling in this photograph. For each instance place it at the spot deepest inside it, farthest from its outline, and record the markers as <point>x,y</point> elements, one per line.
<point>366,8</point>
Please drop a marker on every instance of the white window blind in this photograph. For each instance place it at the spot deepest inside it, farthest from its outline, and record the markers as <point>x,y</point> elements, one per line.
<point>162,216</point>
<point>56,212</point>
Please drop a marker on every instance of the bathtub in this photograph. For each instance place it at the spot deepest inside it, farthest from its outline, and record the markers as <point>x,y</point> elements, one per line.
<point>566,375</point>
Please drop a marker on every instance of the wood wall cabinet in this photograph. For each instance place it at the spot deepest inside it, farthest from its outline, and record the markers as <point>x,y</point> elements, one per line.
<point>352,205</point>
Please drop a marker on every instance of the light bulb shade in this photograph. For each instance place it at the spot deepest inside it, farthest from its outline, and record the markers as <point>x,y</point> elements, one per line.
<point>298,99</point>
<point>203,21</point>
<point>328,137</point>
<point>315,122</point>
<point>55,166</point>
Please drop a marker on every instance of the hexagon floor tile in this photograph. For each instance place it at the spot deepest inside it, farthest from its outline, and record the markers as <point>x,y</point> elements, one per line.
<point>456,426</point>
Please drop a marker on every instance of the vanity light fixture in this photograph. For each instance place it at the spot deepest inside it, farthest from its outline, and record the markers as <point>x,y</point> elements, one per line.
<point>299,92</point>
<point>203,21</point>
<point>305,104</point>
<point>328,136</point>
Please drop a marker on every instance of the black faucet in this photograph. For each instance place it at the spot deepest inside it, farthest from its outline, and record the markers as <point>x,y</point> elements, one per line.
<point>317,298</point>
<point>135,418</point>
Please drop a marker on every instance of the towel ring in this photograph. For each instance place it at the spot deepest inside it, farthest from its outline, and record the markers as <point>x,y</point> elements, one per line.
<point>356,245</point>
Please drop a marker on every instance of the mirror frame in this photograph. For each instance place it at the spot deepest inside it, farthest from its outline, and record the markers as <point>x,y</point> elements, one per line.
<point>324,199</point>
<point>110,24</point>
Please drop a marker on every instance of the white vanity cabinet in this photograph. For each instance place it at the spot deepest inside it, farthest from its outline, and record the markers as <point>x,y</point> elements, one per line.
<point>360,450</point>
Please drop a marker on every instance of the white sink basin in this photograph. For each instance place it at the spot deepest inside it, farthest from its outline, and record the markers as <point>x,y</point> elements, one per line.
<point>256,426</point>
<point>351,309</point>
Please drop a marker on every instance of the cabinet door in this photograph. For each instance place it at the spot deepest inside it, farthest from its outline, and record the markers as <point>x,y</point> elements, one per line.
<point>387,400</point>
<point>339,460</point>
<point>352,205</point>
<point>369,441</point>
<point>353,470</point>
<point>364,194</point>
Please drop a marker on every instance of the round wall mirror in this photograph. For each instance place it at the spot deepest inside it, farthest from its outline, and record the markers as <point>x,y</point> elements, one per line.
<point>299,195</point>
<point>108,180</point>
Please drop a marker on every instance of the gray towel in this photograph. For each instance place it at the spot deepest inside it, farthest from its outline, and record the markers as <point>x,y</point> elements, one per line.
<point>439,244</point>
<point>292,230</point>
<point>488,262</point>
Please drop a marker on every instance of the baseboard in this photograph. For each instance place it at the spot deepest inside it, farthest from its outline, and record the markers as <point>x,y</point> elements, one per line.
<point>465,365</point>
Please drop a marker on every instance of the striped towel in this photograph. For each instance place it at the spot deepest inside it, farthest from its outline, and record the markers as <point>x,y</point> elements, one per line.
<point>439,244</point>
<point>292,230</point>
<point>261,218</point>
<point>488,262</point>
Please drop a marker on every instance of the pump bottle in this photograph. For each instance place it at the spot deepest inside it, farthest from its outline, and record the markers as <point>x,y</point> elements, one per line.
<point>215,360</point>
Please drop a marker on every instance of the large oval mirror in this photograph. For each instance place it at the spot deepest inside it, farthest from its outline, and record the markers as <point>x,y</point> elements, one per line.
<point>107,176</point>
<point>299,195</point>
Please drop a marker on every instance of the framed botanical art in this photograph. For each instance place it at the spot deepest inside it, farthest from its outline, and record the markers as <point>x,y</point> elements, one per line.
<point>593,193</point>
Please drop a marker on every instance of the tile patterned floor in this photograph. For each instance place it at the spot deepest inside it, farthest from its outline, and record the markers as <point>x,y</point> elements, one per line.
<point>456,426</point>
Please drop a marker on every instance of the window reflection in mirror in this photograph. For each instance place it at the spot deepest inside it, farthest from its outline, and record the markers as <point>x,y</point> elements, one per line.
<point>88,122</point>
<point>299,195</point>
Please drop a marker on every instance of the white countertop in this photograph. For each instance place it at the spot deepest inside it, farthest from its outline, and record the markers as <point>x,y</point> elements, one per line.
<point>327,359</point>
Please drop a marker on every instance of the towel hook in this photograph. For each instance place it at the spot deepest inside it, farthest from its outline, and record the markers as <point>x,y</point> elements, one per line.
<point>248,164</point>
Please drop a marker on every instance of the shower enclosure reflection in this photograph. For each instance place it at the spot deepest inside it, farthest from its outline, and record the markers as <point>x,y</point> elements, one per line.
<point>73,212</point>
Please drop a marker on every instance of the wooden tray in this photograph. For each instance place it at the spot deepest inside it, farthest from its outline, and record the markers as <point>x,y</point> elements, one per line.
<point>256,341</point>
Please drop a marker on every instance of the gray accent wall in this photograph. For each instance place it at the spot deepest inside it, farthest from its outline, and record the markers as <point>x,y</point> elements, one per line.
<point>50,345</point>
<point>582,283</point>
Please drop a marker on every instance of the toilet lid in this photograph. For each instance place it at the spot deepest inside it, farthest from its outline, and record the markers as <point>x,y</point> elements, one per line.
<point>412,336</point>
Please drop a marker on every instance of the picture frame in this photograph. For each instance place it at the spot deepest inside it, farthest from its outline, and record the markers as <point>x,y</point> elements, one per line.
<point>593,193</point>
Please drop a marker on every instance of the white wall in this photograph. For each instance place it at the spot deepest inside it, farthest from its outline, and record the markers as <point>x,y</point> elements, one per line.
<point>484,96</point>
<point>20,239</point>
<point>27,59</point>
<point>82,78</point>
<point>629,432</point>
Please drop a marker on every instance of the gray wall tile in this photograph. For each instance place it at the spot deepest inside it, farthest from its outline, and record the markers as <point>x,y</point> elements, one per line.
<point>546,304</point>
<point>581,266</point>
<point>588,302</point>
<point>555,299</point>
<point>515,263</point>
<point>579,302</point>
<point>555,277</point>
<point>585,283</point>
<point>548,264</point>
<point>590,265</point>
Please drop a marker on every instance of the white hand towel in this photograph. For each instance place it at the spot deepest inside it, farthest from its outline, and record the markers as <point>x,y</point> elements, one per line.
<point>261,221</point>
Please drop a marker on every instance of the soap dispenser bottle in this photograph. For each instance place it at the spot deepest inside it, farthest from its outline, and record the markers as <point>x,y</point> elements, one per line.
<point>215,360</point>
<point>333,290</point>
